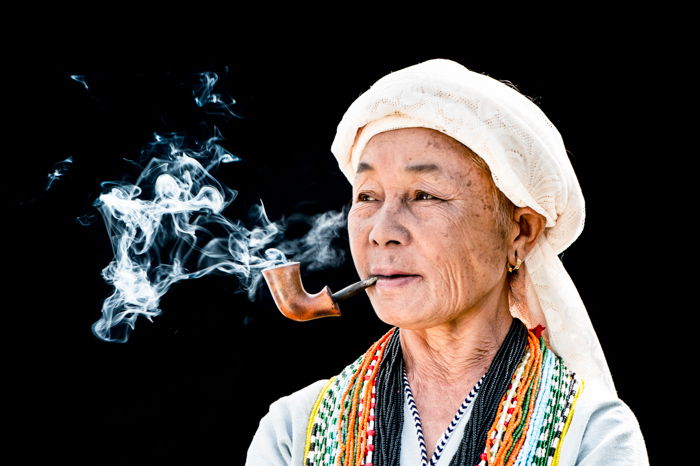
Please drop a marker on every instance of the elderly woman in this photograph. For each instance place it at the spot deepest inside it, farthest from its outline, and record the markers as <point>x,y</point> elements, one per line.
<point>463,196</point>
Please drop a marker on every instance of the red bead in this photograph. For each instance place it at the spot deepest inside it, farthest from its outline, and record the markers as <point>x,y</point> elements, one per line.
<point>510,410</point>
<point>370,432</point>
<point>371,417</point>
<point>372,405</point>
<point>366,377</point>
<point>483,456</point>
<point>370,447</point>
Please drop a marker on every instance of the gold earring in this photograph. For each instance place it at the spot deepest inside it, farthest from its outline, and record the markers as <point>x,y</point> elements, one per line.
<point>517,265</point>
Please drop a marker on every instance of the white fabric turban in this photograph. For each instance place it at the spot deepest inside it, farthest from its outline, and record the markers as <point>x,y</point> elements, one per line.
<point>529,164</point>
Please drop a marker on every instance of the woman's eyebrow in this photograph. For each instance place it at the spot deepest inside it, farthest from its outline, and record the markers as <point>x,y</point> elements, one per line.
<point>420,168</point>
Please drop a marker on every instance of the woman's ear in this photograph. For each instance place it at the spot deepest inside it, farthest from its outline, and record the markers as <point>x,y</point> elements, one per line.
<point>529,225</point>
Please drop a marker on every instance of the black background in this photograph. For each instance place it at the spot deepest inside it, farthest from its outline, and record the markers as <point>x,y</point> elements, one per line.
<point>190,387</point>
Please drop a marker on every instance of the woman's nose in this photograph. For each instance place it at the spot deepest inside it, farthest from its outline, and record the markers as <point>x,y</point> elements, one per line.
<point>388,226</point>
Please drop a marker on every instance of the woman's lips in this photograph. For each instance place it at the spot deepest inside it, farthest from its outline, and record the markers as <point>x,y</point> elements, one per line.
<point>395,281</point>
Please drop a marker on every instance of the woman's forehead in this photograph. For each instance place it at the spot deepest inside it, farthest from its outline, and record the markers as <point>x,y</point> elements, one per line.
<point>413,151</point>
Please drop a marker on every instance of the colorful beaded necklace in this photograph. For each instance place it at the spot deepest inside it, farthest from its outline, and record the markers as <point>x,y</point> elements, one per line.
<point>341,425</point>
<point>535,412</point>
<point>530,423</point>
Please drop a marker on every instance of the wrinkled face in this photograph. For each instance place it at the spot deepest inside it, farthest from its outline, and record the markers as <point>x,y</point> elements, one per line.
<point>424,218</point>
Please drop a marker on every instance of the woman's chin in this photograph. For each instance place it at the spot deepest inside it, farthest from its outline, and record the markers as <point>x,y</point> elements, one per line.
<point>403,317</point>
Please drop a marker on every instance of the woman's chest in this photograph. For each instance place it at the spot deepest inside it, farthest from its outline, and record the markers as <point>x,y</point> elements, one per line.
<point>434,423</point>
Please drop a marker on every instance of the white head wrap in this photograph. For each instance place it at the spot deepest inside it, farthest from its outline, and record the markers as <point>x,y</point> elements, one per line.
<point>529,164</point>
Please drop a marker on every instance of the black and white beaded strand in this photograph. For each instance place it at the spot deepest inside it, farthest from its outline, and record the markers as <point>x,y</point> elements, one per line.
<point>440,446</point>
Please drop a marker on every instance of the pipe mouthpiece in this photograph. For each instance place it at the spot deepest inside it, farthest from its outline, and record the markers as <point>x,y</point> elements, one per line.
<point>352,290</point>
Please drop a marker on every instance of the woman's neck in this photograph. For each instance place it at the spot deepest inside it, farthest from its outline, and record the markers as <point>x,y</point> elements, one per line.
<point>460,351</point>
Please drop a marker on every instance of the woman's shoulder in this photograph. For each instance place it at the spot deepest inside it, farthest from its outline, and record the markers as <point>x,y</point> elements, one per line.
<point>604,430</point>
<point>281,435</point>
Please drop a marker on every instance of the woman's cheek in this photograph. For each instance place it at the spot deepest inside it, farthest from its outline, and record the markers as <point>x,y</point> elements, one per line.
<point>449,284</point>
<point>356,218</point>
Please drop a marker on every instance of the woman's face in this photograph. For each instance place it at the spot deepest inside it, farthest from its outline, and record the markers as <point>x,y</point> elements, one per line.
<point>424,218</point>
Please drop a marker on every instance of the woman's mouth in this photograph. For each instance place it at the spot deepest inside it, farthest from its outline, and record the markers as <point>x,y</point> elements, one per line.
<point>395,280</point>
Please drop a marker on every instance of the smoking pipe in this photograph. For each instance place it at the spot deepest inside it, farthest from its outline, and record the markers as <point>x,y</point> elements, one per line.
<point>295,303</point>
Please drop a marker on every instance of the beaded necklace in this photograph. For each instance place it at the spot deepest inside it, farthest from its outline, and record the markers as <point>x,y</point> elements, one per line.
<point>440,446</point>
<point>341,425</point>
<point>535,412</point>
<point>529,426</point>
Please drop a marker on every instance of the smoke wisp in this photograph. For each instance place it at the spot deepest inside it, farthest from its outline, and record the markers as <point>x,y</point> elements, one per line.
<point>169,226</point>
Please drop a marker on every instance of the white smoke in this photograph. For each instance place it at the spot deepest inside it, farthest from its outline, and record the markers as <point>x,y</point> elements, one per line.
<point>169,226</point>
<point>213,102</point>
<point>59,169</point>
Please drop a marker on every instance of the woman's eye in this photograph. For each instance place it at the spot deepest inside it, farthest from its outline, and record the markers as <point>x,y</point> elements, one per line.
<point>422,196</point>
<point>364,197</point>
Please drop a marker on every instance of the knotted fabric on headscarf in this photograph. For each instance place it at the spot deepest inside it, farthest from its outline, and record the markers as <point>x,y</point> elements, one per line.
<point>528,163</point>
